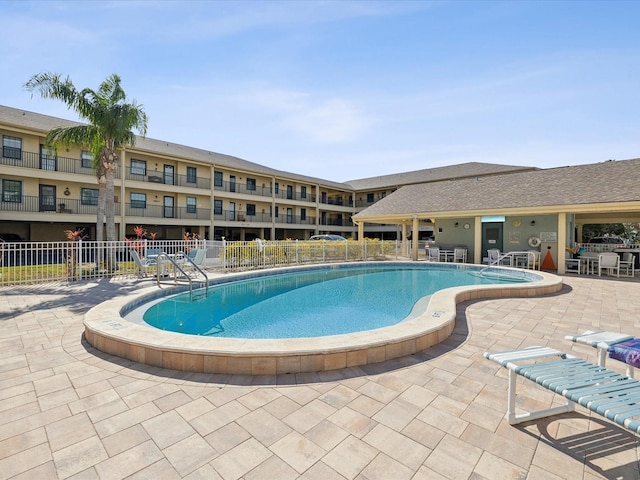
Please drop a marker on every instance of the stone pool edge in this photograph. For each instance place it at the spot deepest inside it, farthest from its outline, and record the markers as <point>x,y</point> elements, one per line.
<point>109,332</point>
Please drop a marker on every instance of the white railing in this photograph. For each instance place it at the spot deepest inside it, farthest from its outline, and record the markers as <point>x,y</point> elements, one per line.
<point>40,262</point>
<point>521,259</point>
<point>606,247</point>
<point>267,254</point>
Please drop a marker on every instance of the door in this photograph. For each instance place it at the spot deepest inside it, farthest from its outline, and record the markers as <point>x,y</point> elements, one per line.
<point>232,183</point>
<point>47,198</point>
<point>491,236</point>
<point>289,192</point>
<point>168,175</point>
<point>232,211</point>
<point>47,159</point>
<point>289,215</point>
<point>168,207</point>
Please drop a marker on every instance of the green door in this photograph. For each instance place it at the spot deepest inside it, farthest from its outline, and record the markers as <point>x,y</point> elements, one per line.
<point>491,236</point>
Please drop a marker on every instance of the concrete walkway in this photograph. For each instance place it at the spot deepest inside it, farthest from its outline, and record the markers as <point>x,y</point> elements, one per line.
<point>68,411</point>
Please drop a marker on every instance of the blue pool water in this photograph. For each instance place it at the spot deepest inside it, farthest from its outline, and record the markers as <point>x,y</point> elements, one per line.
<point>312,303</point>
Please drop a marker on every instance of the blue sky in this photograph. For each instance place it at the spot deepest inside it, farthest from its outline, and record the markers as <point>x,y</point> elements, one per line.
<point>343,90</point>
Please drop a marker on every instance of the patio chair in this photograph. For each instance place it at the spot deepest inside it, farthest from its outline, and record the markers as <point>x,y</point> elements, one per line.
<point>433,254</point>
<point>627,264</point>
<point>195,258</point>
<point>572,265</point>
<point>143,264</point>
<point>533,259</point>
<point>493,256</point>
<point>459,255</point>
<point>610,262</point>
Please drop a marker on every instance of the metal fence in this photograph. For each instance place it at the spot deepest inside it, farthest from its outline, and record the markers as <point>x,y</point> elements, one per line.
<point>259,254</point>
<point>41,262</point>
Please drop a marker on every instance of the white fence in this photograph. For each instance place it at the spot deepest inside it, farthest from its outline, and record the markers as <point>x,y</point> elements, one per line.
<point>40,262</point>
<point>267,254</point>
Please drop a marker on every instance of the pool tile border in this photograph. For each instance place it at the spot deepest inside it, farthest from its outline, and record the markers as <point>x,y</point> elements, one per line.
<point>107,330</point>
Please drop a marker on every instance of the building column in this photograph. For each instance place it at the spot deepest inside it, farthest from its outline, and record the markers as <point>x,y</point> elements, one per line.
<point>562,242</point>
<point>415,235</point>
<point>403,239</point>
<point>477,240</point>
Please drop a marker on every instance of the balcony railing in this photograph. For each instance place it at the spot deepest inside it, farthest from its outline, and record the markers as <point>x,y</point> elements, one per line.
<point>19,158</point>
<point>179,180</point>
<point>333,221</point>
<point>266,191</point>
<point>161,211</point>
<point>35,204</point>
<point>238,216</point>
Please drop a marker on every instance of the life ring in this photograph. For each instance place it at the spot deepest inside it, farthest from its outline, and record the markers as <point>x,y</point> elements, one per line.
<point>260,245</point>
<point>534,242</point>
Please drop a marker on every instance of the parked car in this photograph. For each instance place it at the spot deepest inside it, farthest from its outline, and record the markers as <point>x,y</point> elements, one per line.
<point>618,241</point>
<point>10,237</point>
<point>327,237</point>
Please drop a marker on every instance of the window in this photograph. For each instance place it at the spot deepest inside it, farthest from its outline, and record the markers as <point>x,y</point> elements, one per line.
<point>12,191</point>
<point>369,197</point>
<point>217,179</point>
<point>277,212</point>
<point>191,204</point>
<point>277,187</point>
<point>251,210</point>
<point>217,207</point>
<point>303,192</point>
<point>86,159</point>
<point>251,183</point>
<point>138,167</point>
<point>303,214</point>
<point>192,175</point>
<point>12,147</point>
<point>89,196</point>
<point>138,200</point>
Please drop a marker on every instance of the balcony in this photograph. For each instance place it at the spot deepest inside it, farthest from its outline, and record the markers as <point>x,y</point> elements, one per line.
<point>36,204</point>
<point>160,211</point>
<point>18,158</point>
<point>242,217</point>
<point>178,180</point>
<point>283,193</point>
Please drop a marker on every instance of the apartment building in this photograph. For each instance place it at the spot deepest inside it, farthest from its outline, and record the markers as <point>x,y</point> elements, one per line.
<point>172,189</point>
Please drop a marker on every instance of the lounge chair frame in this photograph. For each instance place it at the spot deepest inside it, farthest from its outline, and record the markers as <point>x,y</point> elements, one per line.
<point>612,395</point>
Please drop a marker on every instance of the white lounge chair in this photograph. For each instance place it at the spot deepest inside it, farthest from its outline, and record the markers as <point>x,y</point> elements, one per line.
<point>195,258</point>
<point>143,264</point>
<point>602,391</point>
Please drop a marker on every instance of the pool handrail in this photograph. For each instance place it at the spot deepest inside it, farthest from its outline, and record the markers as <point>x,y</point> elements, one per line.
<point>172,260</point>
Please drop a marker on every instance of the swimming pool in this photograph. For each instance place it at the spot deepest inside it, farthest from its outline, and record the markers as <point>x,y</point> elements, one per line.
<point>313,303</point>
<point>431,321</point>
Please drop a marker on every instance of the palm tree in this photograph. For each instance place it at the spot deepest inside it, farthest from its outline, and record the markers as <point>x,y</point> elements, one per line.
<point>110,124</point>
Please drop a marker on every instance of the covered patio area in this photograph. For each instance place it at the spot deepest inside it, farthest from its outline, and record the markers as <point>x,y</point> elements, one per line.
<point>542,210</point>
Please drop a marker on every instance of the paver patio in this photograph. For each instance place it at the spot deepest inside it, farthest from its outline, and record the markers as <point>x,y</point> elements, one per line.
<point>69,411</point>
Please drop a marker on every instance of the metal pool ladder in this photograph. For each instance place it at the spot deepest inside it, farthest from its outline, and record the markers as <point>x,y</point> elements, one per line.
<point>177,268</point>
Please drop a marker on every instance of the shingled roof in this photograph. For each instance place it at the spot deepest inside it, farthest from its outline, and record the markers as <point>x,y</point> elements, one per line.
<point>565,187</point>
<point>435,174</point>
<point>44,123</point>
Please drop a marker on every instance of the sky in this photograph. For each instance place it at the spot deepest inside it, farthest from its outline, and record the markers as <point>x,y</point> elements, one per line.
<point>344,90</point>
